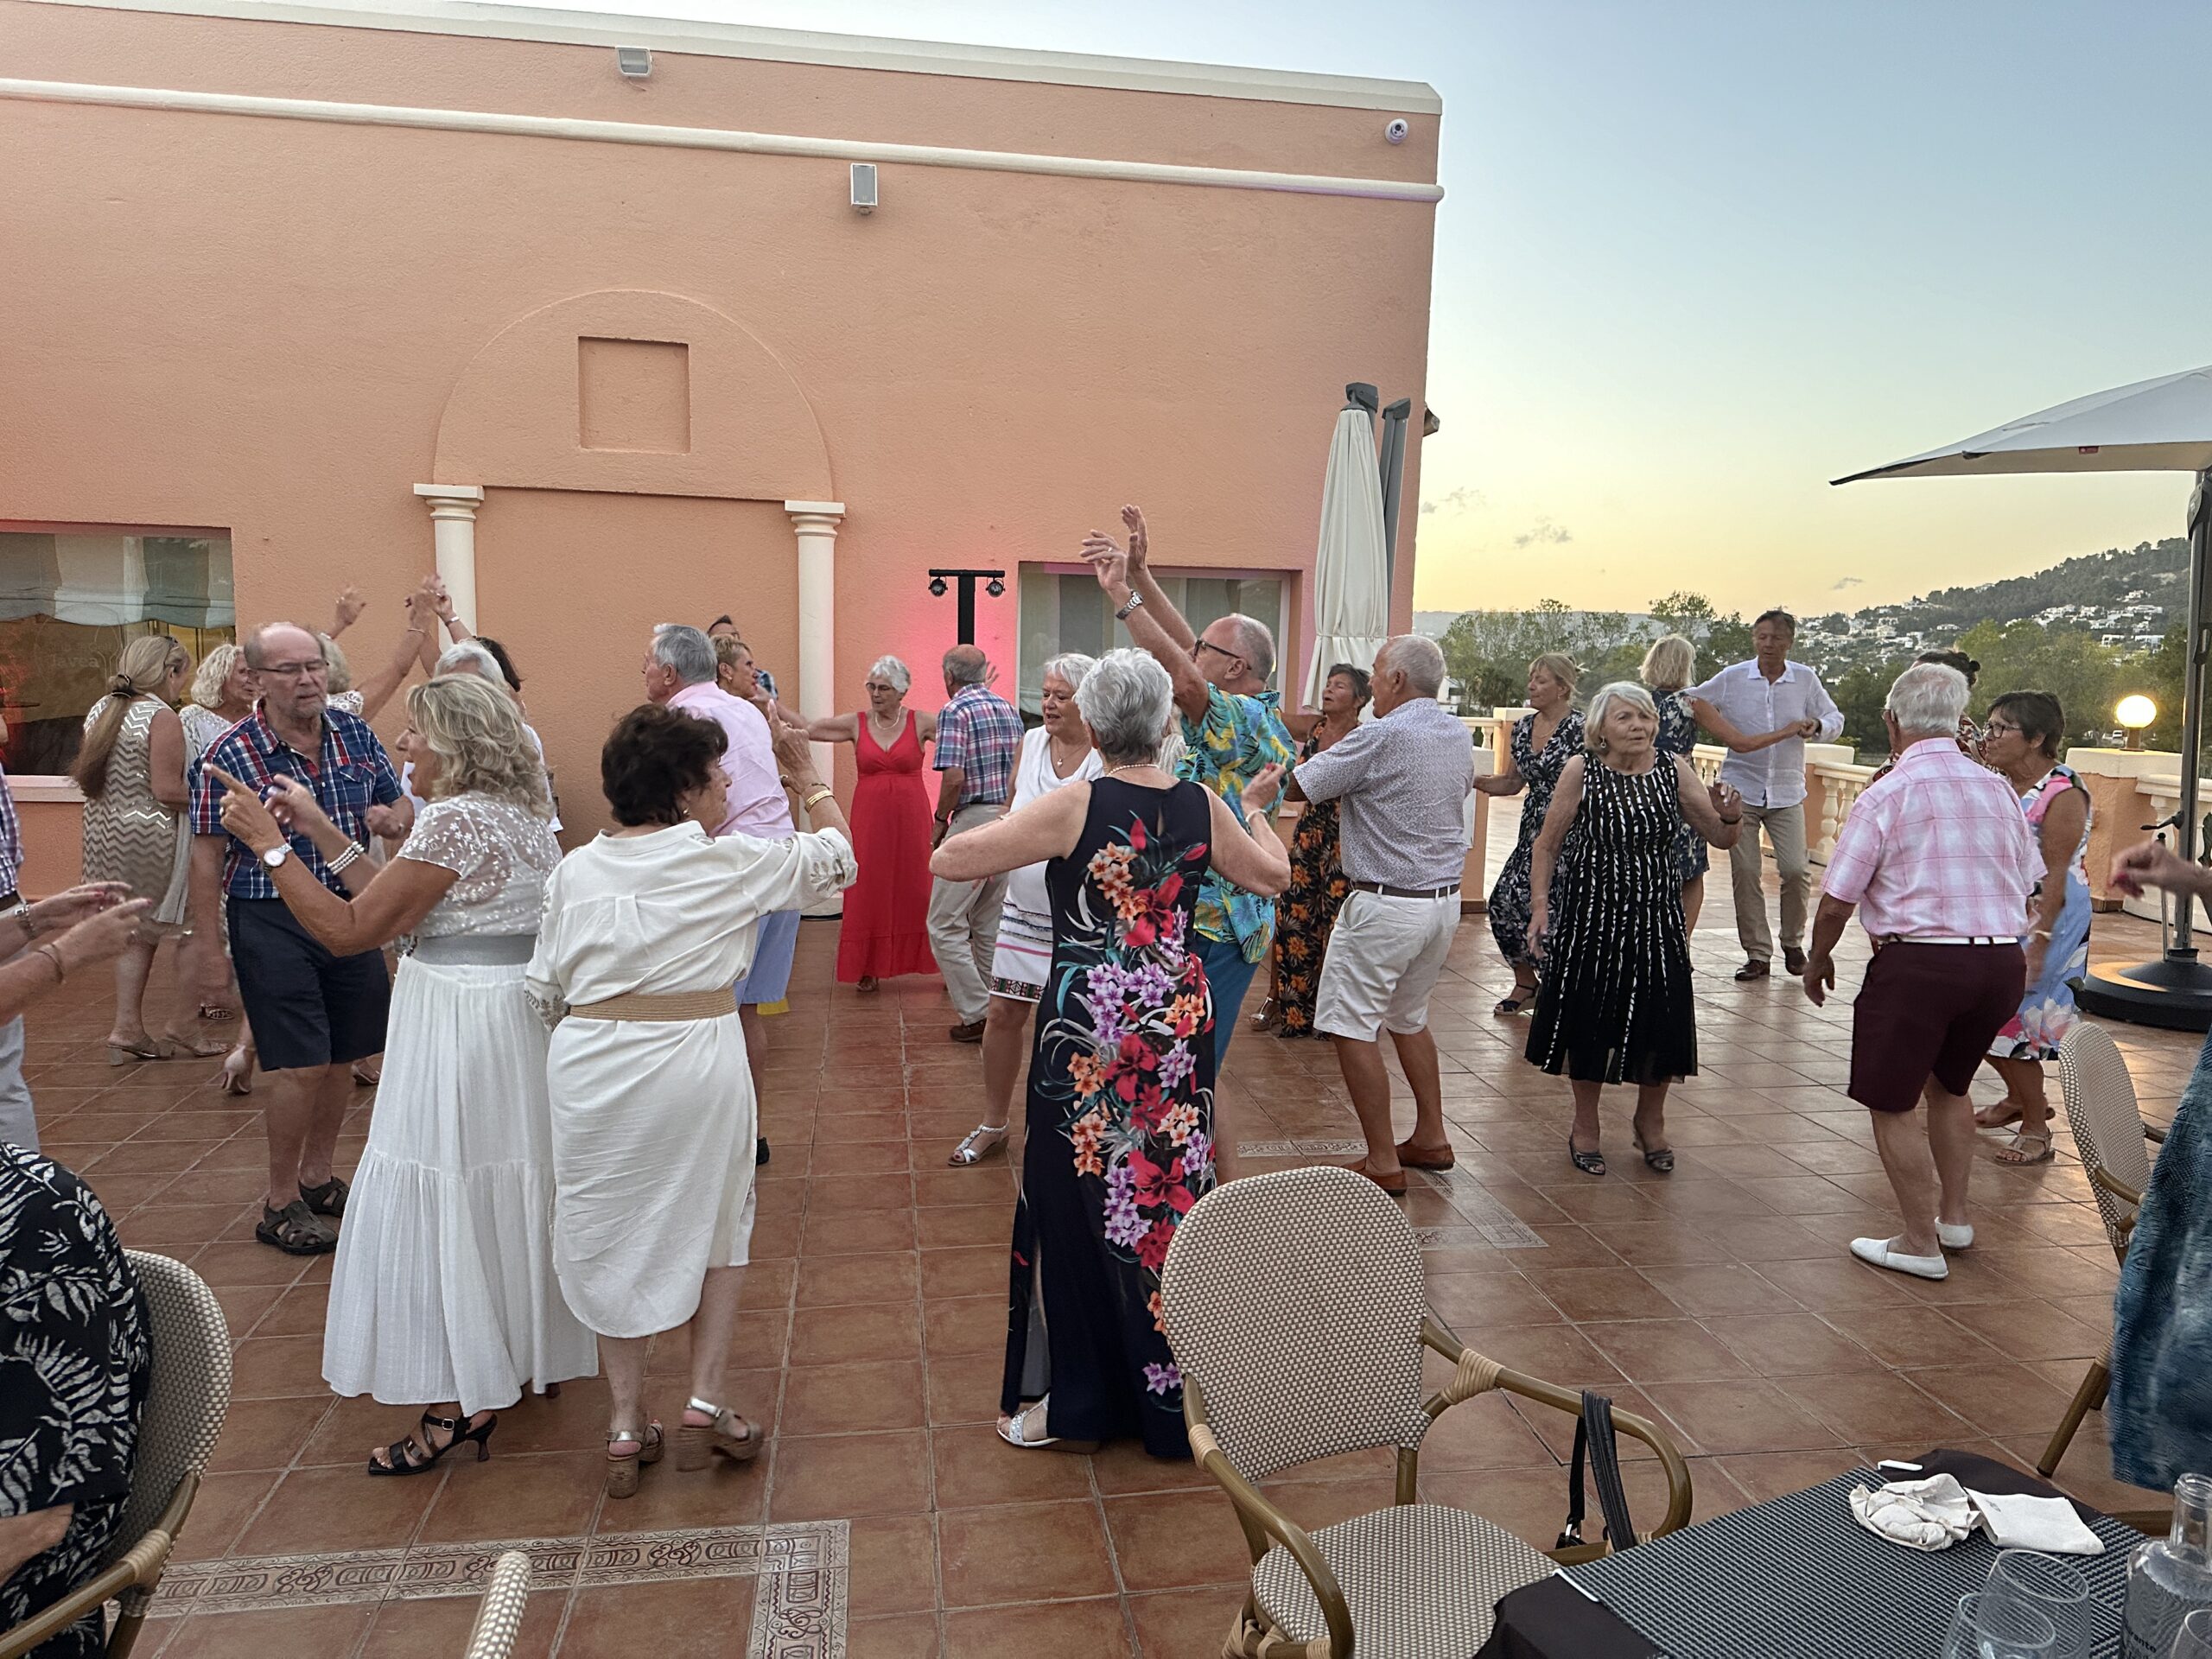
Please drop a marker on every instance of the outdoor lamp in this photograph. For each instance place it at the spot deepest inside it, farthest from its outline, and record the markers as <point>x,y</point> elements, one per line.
<point>936,587</point>
<point>2134,712</point>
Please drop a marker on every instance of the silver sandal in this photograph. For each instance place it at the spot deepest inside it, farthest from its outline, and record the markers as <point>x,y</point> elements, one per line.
<point>968,1154</point>
<point>1026,1429</point>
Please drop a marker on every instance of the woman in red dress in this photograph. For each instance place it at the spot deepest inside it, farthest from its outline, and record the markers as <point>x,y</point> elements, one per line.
<point>886,931</point>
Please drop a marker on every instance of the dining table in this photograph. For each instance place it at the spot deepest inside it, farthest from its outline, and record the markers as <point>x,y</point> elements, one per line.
<point>1795,1578</point>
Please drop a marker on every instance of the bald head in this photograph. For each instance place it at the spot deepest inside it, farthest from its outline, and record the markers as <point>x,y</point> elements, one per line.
<point>282,642</point>
<point>965,665</point>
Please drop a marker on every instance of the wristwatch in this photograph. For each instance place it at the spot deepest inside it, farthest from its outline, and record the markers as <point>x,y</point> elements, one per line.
<point>276,856</point>
<point>1122,615</point>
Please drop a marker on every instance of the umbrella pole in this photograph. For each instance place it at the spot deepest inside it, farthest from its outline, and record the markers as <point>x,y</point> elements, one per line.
<point>2175,991</point>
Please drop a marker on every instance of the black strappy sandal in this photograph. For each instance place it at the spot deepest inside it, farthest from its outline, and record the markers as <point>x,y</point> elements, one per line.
<point>1520,998</point>
<point>405,1453</point>
<point>1590,1163</point>
<point>1661,1159</point>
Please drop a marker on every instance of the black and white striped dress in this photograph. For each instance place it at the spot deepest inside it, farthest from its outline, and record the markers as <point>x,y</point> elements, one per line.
<point>1615,1003</point>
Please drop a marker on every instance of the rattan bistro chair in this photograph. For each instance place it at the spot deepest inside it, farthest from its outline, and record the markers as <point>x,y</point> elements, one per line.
<point>506,1593</point>
<point>1295,1306</point>
<point>2108,1133</point>
<point>188,1396</point>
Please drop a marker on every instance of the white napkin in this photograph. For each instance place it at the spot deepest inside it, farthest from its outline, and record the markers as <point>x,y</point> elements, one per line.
<point>2015,1520</point>
<point>1931,1514</point>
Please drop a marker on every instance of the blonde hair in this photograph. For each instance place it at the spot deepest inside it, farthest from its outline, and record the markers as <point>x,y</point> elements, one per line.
<point>1561,667</point>
<point>729,649</point>
<point>1669,664</point>
<point>214,670</point>
<point>476,731</point>
<point>338,677</point>
<point>1601,706</point>
<point>139,672</point>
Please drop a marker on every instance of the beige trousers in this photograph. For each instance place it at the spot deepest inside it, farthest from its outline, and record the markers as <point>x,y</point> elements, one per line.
<point>964,926</point>
<point>1785,828</point>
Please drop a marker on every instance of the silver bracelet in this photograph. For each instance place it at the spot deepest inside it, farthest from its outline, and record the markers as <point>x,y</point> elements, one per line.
<point>338,865</point>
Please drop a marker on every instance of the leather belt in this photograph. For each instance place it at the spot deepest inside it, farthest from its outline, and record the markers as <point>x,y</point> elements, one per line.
<point>1385,890</point>
<point>1949,938</point>
<point>682,1004</point>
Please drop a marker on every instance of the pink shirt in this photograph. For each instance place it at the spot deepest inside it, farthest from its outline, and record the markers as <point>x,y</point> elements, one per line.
<point>757,806</point>
<point>1938,849</point>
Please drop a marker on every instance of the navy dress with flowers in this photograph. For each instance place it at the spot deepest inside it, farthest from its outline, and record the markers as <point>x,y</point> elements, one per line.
<point>1119,1121</point>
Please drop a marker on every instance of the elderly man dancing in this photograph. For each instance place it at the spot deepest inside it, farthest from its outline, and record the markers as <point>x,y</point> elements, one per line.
<point>1937,860</point>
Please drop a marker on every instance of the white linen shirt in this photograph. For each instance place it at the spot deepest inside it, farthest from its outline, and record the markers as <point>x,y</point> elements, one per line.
<point>1753,705</point>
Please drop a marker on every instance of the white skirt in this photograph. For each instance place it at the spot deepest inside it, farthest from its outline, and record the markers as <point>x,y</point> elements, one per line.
<point>652,1146</point>
<point>444,1286</point>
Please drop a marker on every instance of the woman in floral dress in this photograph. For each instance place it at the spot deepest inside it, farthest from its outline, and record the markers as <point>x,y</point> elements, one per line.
<point>1543,741</point>
<point>1121,1071</point>
<point>1308,913</point>
<point>1668,667</point>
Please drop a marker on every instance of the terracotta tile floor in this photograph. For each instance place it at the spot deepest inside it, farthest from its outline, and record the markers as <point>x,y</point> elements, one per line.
<point>1720,1299</point>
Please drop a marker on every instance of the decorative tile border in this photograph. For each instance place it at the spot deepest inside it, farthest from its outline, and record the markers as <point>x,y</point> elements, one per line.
<point>1487,1220</point>
<point>798,1609</point>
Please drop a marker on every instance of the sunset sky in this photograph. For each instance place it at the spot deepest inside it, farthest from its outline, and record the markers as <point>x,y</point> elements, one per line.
<point>1696,258</point>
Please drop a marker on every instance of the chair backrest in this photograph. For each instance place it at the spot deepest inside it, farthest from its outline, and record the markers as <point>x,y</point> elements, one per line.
<point>506,1593</point>
<point>1294,1299</point>
<point>2107,1124</point>
<point>187,1394</point>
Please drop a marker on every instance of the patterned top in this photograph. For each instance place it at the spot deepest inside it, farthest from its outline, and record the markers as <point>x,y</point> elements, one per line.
<point>1402,781</point>
<point>1746,699</point>
<point>1938,849</point>
<point>350,775</point>
<point>1239,738</point>
<point>203,729</point>
<point>74,1362</point>
<point>12,838</point>
<point>502,854</point>
<point>980,733</point>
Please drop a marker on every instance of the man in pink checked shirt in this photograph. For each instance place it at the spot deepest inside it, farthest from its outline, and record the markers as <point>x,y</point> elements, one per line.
<point>1937,859</point>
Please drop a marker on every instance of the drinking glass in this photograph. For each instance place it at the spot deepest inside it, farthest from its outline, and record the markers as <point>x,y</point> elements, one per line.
<point>2194,1639</point>
<point>1998,1626</point>
<point>2050,1587</point>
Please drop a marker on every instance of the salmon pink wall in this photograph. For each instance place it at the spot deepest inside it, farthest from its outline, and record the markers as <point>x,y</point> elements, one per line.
<point>282,326</point>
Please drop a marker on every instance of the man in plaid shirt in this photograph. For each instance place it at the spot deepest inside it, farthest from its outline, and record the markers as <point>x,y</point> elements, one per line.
<point>312,1014</point>
<point>978,741</point>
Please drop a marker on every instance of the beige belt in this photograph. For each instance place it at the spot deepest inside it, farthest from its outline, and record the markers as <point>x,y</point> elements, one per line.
<point>684,1005</point>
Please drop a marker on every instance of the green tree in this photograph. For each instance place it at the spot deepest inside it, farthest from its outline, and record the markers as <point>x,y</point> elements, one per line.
<point>2072,666</point>
<point>1720,640</point>
<point>1488,652</point>
<point>1861,693</point>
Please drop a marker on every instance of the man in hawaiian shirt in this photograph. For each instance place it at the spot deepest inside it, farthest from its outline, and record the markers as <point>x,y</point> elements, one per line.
<point>1232,730</point>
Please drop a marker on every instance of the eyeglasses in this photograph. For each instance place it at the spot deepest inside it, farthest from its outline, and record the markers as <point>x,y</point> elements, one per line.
<point>294,671</point>
<point>2000,728</point>
<point>1208,644</point>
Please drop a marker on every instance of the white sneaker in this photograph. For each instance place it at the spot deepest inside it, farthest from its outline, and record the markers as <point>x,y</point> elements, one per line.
<point>1881,1254</point>
<point>1955,1238</point>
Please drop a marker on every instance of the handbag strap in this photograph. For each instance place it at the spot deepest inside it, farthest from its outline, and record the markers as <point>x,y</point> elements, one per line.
<point>1594,1438</point>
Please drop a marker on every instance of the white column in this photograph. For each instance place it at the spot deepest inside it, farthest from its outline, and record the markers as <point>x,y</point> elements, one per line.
<point>452,529</point>
<point>816,524</point>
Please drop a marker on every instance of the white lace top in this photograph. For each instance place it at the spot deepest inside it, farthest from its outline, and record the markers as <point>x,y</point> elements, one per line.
<point>502,854</point>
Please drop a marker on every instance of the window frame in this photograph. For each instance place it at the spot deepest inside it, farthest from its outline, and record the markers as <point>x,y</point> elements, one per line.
<point>1286,607</point>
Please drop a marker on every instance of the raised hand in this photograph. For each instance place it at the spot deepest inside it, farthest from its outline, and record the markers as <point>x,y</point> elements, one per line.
<point>1109,561</point>
<point>1139,543</point>
<point>352,601</point>
<point>794,750</point>
<point>1726,801</point>
<point>294,806</point>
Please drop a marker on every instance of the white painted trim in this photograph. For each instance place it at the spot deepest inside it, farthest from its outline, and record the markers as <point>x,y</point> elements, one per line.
<point>1410,98</point>
<point>453,537</point>
<point>756,143</point>
<point>814,523</point>
<point>44,790</point>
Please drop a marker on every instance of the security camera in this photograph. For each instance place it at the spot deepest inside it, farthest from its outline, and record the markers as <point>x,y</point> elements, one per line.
<point>1396,131</point>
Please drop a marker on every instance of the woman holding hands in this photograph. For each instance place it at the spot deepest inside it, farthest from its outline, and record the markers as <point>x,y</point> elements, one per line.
<point>886,932</point>
<point>1606,921</point>
<point>1543,742</point>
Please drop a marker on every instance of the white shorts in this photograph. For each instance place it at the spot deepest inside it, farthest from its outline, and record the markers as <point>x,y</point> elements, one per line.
<point>1384,956</point>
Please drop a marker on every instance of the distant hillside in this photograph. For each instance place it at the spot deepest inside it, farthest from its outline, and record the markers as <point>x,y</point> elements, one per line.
<point>2148,574</point>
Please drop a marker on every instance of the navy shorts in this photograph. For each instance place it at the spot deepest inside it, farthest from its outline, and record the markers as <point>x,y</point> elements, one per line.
<point>307,1007</point>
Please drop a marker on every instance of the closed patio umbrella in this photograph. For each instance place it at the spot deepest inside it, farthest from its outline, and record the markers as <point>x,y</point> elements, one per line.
<point>2162,425</point>
<point>1351,591</point>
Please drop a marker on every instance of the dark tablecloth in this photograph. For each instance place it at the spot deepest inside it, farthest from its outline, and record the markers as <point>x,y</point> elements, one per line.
<point>1797,1576</point>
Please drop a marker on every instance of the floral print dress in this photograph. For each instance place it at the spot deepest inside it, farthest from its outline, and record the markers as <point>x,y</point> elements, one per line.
<point>1308,910</point>
<point>2046,1012</point>
<point>1119,1121</point>
<point>1509,900</point>
<point>1678,736</point>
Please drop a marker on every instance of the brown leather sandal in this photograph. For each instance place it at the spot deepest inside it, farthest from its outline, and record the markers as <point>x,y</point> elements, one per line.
<point>730,1435</point>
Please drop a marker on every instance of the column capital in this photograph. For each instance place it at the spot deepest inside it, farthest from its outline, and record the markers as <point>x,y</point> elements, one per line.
<point>452,500</point>
<point>819,516</point>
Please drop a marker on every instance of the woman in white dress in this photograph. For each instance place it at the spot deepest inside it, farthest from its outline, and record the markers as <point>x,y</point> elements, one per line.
<point>1055,754</point>
<point>645,930</point>
<point>444,1289</point>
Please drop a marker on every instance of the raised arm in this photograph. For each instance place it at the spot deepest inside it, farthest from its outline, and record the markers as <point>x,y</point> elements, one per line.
<point>1156,627</point>
<point>1742,742</point>
<point>1566,802</point>
<point>377,689</point>
<point>1250,855</point>
<point>1048,827</point>
<point>834,728</point>
<point>1716,813</point>
<point>388,903</point>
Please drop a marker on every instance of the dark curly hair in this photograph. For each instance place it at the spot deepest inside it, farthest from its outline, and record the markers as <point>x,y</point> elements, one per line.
<point>653,759</point>
<point>1958,659</point>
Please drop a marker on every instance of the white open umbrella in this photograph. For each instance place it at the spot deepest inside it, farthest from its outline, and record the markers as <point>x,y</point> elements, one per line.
<point>2162,425</point>
<point>1351,586</point>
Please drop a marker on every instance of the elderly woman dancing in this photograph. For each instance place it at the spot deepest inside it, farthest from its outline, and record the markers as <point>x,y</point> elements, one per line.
<point>1121,1079</point>
<point>886,932</point>
<point>444,1288</point>
<point>1668,668</point>
<point>1055,754</point>
<point>1615,1006</point>
<point>645,930</point>
<point>1543,742</point>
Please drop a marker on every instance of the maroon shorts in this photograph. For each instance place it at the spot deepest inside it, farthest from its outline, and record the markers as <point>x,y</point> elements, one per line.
<point>1929,1010</point>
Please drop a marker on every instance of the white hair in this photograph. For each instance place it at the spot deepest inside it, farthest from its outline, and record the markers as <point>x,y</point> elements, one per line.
<point>1254,643</point>
<point>1071,666</point>
<point>469,657</point>
<point>687,651</point>
<point>1126,700</point>
<point>1419,659</point>
<point>1927,700</point>
<point>891,671</point>
<point>1593,719</point>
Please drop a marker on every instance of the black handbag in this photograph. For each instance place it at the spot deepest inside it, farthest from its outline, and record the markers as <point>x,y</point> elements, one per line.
<point>1593,1438</point>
